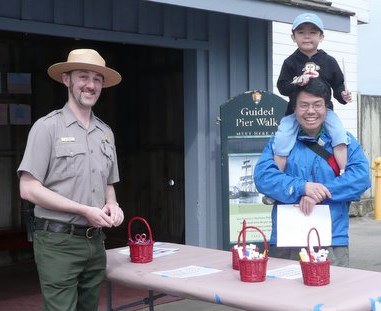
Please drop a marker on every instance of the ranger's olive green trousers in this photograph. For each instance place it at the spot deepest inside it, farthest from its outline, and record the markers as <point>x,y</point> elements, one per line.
<point>71,270</point>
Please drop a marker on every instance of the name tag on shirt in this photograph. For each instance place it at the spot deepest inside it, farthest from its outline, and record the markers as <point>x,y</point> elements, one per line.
<point>67,139</point>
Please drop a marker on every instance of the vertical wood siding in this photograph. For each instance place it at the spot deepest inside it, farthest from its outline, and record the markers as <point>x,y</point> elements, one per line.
<point>370,127</point>
<point>370,131</point>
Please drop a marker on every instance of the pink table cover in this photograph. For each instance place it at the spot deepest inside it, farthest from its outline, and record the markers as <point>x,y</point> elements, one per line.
<point>349,289</point>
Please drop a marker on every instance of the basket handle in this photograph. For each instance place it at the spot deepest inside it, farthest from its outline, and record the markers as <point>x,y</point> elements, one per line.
<point>240,233</point>
<point>308,240</point>
<point>243,233</point>
<point>142,220</point>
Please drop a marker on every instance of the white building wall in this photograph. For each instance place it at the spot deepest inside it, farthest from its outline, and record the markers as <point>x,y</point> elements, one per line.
<point>342,46</point>
<point>361,7</point>
<point>369,47</point>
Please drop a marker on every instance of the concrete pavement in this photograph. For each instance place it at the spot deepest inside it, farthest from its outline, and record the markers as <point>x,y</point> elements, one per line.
<point>364,253</point>
<point>365,243</point>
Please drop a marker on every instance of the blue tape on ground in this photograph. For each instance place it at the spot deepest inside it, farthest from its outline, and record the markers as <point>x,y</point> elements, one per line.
<point>317,307</point>
<point>217,299</point>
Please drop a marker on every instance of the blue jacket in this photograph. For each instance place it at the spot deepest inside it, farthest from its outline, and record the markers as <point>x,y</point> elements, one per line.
<point>304,165</point>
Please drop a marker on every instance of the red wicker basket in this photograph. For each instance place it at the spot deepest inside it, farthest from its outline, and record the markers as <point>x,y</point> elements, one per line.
<point>141,250</point>
<point>235,257</point>
<point>315,273</point>
<point>253,270</point>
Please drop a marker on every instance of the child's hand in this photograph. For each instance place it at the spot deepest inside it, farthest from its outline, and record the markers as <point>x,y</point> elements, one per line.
<point>301,80</point>
<point>305,79</point>
<point>347,96</point>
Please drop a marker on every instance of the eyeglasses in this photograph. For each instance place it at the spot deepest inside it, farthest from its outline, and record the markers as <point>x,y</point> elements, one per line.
<point>315,106</point>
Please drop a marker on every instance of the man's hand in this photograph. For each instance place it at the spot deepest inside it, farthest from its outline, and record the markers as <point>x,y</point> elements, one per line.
<point>97,217</point>
<point>115,212</point>
<point>307,204</point>
<point>317,192</point>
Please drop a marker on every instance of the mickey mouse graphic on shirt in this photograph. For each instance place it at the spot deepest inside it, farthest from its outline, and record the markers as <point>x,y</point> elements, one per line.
<point>310,70</point>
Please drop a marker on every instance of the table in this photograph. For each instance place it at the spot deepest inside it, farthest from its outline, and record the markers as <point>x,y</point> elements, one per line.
<point>350,289</point>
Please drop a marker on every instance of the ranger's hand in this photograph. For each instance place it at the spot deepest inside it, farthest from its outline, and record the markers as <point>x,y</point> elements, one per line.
<point>97,217</point>
<point>115,212</point>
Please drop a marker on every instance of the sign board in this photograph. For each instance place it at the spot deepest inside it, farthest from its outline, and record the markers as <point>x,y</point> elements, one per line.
<point>247,122</point>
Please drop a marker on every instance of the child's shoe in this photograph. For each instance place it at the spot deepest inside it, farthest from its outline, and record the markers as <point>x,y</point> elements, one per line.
<point>267,200</point>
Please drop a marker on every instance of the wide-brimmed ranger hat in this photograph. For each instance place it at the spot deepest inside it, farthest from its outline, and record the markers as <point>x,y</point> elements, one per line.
<point>85,59</point>
<point>308,18</point>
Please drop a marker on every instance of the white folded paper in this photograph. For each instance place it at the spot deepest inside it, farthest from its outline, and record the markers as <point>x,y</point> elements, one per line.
<point>293,226</point>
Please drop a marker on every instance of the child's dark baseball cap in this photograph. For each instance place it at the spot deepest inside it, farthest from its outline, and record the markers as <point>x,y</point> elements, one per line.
<point>308,18</point>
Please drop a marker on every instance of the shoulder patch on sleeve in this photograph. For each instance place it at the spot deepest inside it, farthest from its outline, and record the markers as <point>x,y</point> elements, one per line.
<point>291,190</point>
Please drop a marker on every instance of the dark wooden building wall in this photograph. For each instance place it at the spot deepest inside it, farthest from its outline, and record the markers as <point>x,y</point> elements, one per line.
<point>223,56</point>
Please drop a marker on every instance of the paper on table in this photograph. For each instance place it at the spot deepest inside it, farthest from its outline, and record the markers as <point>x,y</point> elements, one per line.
<point>293,226</point>
<point>187,272</point>
<point>290,272</point>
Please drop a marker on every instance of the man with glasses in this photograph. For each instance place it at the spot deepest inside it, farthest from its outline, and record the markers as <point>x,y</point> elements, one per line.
<point>309,179</point>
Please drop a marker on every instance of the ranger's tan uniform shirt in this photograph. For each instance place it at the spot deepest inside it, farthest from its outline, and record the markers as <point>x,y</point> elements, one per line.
<point>67,158</point>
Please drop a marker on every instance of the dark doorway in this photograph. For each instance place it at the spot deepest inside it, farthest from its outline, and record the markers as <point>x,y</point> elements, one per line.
<point>145,112</point>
